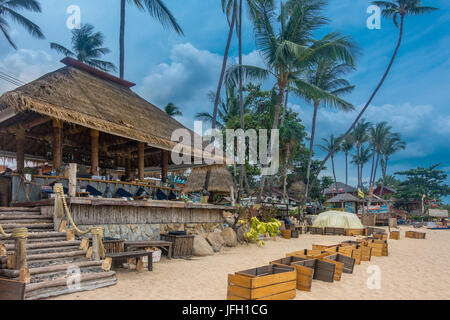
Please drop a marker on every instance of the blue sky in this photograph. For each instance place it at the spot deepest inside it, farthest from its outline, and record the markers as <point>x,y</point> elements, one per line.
<point>167,67</point>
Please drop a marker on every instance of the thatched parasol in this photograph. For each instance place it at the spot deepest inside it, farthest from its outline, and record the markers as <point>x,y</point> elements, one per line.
<point>220,181</point>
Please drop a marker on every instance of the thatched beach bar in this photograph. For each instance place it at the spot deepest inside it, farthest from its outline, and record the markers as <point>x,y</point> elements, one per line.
<point>110,136</point>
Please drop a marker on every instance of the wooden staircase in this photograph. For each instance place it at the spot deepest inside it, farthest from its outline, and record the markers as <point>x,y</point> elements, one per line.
<point>51,259</point>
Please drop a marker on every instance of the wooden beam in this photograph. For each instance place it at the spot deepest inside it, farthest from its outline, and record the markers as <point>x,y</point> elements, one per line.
<point>94,152</point>
<point>20,153</point>
<point>141,160</point>
<point>164,165</point>
<point>57,143</point>
<point>72,179</point>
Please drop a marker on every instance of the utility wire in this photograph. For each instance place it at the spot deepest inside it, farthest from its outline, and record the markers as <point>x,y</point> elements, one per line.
<point>13,78</point>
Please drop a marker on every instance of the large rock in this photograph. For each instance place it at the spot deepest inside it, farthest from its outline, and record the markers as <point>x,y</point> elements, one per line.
<point>230,237</point>
<point>215,240</point>
<point>202,247</point>
<point>241,232</point>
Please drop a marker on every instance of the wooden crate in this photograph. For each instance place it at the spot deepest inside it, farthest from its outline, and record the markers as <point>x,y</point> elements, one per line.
<point>415,235</point>
<point>394,235</point>
<point>348,263</point>
<point>286,234</point>
<point>315,230</point>
<point>339,231</point>
<point>183,245</point>
<point>346,250</point>
<point>324,270</point>
<point>309,254</point>
<point>354,232</point>
<point>357,255</point>
<point>305,274</point>
<point>366,253</point>
<point>329,231</point>
<point>380,236</point>
<point>272,282</point>
<point>325,247</point>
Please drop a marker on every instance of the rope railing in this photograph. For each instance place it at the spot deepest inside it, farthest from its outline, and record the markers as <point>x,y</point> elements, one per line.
<point>96,232</point>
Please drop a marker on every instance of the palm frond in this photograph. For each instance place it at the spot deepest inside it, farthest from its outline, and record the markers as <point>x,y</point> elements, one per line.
<point>61,49</point>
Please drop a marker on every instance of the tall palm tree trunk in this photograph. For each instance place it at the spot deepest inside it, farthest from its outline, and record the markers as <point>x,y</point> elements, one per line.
<point>224,65</point>
<point>384,176</point>
<point>241,99</point>
<point>311,146</point>
<point>346,168</point>
<point>375,170</point>
<point>122,38</point>
<point>283,115</point>
<point>358,164</point>
<point>334,172</point>
<point>371,97</point>
<point>373,165</point>
<point>281,88</point>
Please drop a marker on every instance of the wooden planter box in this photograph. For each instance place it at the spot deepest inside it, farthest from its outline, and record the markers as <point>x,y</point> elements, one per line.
<point>325,247</point>
<point>295,234</point>
<point>323,270</point>
<point>380,236</point>
<point>334,231</point>
<point>315,230</point>
<point>286,234</point>
<point>379,248</point>
<point>309,254</point>
<point>348,263</point>
<point>272,282</point>
<point>415,235</point>
<point>183,245</point>
<point>366,253</point>
<point>395,235</point>
<point>305,274</point>
<point>357,254</point>
<point>346,250</point>
<point>354,232</point>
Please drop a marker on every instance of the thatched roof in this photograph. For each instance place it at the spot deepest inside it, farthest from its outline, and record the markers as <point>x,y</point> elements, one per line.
<point>82,95</point>
<point>343,197</point>
<point>220,180</point>
<point>339,185</point>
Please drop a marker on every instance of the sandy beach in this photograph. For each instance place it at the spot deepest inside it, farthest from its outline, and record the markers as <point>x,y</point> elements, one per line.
<point>414,269</point>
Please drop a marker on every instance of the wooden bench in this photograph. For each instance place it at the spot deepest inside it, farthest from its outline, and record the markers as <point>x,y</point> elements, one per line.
<point>166,245</point>
<point>12,290</point>
<point>133,254</point>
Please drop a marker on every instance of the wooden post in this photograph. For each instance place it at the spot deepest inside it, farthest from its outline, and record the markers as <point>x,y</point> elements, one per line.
<point>57,143</point>
<point>94,152</point>
<point>141,158</point>
<point>95,248</point>
<point>128,164</point>
<point>20,154</point>
<point>20,250</point>
<point>164,165</point>
<point>72,180</point>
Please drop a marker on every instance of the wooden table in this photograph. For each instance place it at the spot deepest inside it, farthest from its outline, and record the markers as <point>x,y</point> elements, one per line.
<point>166,245</point>
<point>133,254</point>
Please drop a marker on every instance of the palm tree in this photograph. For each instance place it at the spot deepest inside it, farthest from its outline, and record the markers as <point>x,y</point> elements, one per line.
<point>157,9</point>
<point>87,48</point>
<point>285,42</point>
<point>322,83</point>
<point>346,146</point>
<point>361,158</point>
<point>391,9</point>
<point>9,10</point>
<point>360,136</point>
<point>391,145</point>
<point>172,110</point>
<point>228,108</point>
<point>378,135</point>
<point>331,144</point>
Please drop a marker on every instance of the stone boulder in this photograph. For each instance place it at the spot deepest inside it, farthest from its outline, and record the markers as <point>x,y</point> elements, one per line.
<point>230,237</point>
<point>202,247</point>
<point>229,218</point>
<point>215,240</point>
<point>241,232</point>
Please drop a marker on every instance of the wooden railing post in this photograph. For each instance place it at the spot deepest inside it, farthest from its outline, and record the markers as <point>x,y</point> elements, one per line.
<point>72,180</point>
<point>20,239</point>
<point>95,248</point>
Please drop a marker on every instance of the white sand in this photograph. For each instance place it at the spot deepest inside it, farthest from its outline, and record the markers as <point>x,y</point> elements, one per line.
<point>414,269</point>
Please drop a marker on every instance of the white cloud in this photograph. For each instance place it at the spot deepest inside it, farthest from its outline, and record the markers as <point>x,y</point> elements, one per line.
<point>26,65</point>
<point>187,79</point>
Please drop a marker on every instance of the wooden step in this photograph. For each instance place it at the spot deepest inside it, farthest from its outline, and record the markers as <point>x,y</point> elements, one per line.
<point>19,209</point>
<point>39,245</point>
<point>20,217</point>
<point>36,225</point>
<point>59,287</point>
<point>56,255</point>
<point>52,250</point>
<point>52,268</point>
